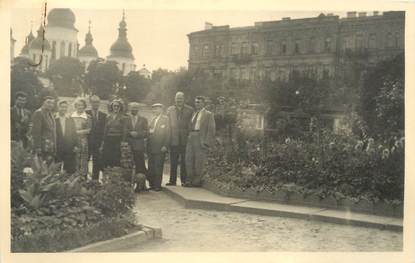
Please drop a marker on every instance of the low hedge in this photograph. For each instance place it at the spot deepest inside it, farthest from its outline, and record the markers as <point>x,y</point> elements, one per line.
<point>58,241</point>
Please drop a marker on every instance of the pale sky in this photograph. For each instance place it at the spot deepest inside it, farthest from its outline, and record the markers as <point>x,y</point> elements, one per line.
<point>158,37</point>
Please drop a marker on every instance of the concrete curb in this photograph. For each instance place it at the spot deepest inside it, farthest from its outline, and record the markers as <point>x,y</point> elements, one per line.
<point>145,234</point>
<point>291,211</point>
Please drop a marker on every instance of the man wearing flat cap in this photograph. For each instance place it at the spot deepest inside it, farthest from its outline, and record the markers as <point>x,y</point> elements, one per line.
<point>201,138</point>
<point>157,146</point>
<point>137,131</point>
<point>179,116</point>
<point>44,130</point>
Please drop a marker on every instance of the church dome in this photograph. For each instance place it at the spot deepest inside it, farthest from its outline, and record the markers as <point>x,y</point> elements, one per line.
<point>88,50</point>
<point>61,17</point>
<point>39,41</point>
<point>121,47</point>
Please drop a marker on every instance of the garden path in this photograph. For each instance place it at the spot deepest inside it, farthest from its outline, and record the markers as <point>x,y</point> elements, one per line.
<point>193,230</point>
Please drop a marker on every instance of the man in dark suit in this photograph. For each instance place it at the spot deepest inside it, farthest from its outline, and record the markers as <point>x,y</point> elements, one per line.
<point>65,138</point>
<point>137,131</point>
<point>157,146</point>
<point>96,135</point>
<point>201,138</point>
<point>44,130</point>
<point>20,120</point>
<point>179,117</point>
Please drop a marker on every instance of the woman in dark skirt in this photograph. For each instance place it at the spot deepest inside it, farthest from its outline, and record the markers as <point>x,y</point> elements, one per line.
<point>113,135</point>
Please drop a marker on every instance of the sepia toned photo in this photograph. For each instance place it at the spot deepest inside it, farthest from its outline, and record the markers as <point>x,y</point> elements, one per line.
<point>162,130</point>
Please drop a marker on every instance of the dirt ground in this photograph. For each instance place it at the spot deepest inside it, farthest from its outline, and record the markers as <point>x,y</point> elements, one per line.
<point>193,230</point>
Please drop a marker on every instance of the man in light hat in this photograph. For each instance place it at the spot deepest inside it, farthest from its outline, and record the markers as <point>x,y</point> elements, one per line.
<point>179,117</point>
<point>157,146</point>
<point>201,138</point>
<point>96,135</point>
<point>137,131</point>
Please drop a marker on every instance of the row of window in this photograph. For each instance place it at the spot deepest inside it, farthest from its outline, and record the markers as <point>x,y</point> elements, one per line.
<point>63,52</point>
<point>281,73</point>
<point>392,40</point>
<point>283,47</point>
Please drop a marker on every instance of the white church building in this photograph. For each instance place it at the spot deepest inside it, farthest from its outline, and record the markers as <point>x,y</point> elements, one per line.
<point>61,40</point>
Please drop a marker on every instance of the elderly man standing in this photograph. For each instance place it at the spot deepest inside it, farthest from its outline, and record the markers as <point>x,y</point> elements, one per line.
<point>179,116</point>
<point>137,131</point>
<point>96,135</point>
<point>201,138</point>
<point>157,146</point>
<point>44,130</point>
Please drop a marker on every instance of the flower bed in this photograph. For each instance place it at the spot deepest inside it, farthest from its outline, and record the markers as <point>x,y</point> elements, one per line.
<point>54,211</point>
<point>323,170</point>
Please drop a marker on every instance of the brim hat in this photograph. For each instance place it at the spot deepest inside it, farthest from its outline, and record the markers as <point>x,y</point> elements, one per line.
<point>157,105</point>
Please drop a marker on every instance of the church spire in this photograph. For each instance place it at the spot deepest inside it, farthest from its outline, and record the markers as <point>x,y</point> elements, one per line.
<point>88,36</point>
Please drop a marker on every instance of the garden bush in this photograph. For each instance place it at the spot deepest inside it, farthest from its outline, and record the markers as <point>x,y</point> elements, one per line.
<point>46,200</point>
<point>321,163</point>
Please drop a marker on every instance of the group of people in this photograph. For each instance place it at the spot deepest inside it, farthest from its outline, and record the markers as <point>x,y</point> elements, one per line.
<point>73,139</point>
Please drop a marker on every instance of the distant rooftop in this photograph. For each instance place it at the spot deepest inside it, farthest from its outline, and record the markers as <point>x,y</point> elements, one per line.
<point>321,17</point>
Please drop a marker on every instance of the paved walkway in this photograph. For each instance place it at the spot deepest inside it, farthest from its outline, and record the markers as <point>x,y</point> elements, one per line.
<point>203,199</point>
<point>197,230</point>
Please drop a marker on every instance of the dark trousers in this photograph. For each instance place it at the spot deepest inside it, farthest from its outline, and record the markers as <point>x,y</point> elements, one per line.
<point>177,153</point>
<point>68,160</point>
<point>139,162</point>
<point>96,161</point>
<point>155,169</point>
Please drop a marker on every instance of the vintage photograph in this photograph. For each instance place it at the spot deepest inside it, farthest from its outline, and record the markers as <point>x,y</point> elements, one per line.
<point>206,131</point>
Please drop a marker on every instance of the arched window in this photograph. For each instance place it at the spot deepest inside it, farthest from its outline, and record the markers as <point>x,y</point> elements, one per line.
<point>312,45</point>
<point>53,49</point>
<point>372,41</point>
<point>359,41</point>
<point>397,42</point>
<point>255,48</point>
<point>205,50</point>
<point>283,47</point>
<point>327,44</point>
<point>62,51</point>
<point>389,40</point>
<point>70,50</point>
<point>297,47</point>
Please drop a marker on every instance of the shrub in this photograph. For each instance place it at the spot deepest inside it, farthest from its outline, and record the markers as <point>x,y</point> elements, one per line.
<point>51,201</point>
<point>325,164</point>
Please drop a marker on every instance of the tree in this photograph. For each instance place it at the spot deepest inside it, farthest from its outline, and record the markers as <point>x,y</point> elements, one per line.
<point>103,78</point>
<point>66,75</point>
<point>137,87</point>
<point>24,79</point>
<point>382,98</point>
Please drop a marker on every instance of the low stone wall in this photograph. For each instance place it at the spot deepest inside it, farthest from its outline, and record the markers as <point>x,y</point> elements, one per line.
<point>294,198</point>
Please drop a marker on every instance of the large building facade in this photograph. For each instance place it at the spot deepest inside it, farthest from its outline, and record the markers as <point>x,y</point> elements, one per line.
<point>273,49</point>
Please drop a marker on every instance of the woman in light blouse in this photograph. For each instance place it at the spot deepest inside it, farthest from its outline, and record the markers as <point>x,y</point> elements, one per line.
<point>83,127</point>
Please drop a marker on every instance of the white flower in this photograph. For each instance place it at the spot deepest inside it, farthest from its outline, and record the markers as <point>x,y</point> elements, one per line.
<point>28,171</point>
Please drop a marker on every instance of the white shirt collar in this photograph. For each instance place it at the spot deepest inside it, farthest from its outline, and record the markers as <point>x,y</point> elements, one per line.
<point>82,115</point>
